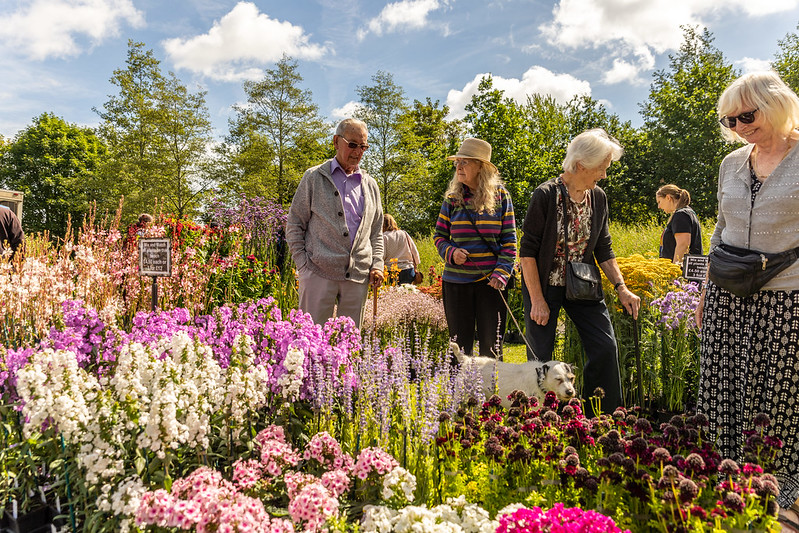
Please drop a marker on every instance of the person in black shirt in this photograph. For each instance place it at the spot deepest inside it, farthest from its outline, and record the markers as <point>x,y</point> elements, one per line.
<point>683,234</point>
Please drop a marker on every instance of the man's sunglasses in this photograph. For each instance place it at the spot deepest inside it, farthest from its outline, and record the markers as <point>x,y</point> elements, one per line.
<point>745,118</point>
<point>364,147</point>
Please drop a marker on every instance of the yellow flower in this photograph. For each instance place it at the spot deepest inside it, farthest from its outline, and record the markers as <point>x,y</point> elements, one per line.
<point>648,277</point>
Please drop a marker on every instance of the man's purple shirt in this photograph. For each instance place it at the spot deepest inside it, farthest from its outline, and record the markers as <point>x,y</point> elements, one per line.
<point>349,187</point>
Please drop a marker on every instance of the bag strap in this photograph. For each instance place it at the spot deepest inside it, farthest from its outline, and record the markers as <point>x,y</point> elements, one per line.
<point>474,225</point>
<point>564,194</point>
<point>410,248</point>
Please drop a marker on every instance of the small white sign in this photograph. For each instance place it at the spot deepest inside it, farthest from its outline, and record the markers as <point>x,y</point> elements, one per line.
<point>155,257</point>
<point>695,267</point>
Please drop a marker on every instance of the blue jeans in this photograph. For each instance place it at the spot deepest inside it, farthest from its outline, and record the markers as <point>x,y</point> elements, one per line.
<point>592,321</point>
<point>407,275</point>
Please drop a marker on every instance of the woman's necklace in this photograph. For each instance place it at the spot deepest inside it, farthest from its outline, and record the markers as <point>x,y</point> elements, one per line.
<point>760,162</point>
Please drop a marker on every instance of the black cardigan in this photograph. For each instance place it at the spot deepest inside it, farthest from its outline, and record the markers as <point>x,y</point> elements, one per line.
<point>541,232</point>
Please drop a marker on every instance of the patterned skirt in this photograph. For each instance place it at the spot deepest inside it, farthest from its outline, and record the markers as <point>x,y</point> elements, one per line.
<point>750,365</point>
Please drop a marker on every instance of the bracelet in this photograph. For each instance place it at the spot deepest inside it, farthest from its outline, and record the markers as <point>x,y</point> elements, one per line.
<point>617,285</point>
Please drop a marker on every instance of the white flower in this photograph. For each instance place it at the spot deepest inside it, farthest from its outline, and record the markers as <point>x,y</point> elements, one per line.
<point>398,486</point>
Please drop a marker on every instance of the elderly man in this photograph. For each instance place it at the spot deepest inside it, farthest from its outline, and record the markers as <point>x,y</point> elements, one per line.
<point>334,230</point>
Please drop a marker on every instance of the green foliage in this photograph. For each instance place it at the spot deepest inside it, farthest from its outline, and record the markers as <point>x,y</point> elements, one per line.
<point>429,138</point>
<point>786,60</point>
<point>382,108</point>
<point>681,124</point>
<point>157,132</point>
<point>56,165</point>
<point>274,137</point>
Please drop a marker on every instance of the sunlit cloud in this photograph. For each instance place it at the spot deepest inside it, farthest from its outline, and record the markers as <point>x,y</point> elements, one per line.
<point>537,80</point>
<point>239,44</point>
<point>42,29</point>
<point>404,15</point>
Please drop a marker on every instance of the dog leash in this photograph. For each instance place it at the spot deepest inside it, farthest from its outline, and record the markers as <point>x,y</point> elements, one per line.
<point>510,312</point>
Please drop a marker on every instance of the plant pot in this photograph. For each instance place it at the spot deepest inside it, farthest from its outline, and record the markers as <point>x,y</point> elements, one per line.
<point>38,520</point>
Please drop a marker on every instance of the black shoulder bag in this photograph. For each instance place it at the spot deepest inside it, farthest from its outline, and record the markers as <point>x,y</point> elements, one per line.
<point>512,278</point>
<point>743,272</point>
<point>583,281</point>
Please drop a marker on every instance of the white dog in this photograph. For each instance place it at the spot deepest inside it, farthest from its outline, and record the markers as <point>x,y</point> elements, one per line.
<point>533,377</point>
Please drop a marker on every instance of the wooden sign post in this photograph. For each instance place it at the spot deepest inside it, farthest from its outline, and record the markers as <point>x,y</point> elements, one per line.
<point>155,259</point>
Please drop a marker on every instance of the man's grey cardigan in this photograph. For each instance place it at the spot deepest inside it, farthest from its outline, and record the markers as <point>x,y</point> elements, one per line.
<point>317,233</point>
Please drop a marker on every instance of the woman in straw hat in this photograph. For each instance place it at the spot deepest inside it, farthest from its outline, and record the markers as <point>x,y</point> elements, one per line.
<point>476,237</point>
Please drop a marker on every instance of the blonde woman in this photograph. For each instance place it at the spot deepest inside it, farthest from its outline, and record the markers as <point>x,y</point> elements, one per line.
<point>476,236</point>
<point>683,233</point>
<point>749,347</point>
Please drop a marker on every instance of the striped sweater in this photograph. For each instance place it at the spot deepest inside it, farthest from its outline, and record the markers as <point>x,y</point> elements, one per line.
<point>454,229</point>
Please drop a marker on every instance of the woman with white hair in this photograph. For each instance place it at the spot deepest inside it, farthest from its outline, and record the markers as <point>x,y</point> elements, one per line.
<point>749,345</point>
<point>573,205</point>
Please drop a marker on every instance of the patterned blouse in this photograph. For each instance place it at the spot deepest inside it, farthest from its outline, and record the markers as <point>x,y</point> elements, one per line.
<point>579,231</point>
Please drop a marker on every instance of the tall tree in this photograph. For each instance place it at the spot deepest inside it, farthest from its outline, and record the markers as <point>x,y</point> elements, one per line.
<point>55,164</point>
<point>382,105</point>
<point>185,128</point>
<point>786,60</point>
<point>276,135</point>
<point>681,123</point>
<point>157,133</point>
<point>426,139</point>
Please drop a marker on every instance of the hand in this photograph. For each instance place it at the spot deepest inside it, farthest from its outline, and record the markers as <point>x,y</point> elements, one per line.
<point>700,309</point>
<point>539,311</point>
<point>376,277</point>
<point>496,283</point>
<point>629,301</point>
<point>460,256</point>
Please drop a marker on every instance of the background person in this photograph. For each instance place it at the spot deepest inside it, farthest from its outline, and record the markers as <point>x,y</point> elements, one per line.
<point>11,234</point>
<point>397,244</point>
<point>334,230</point>
<point>543,259</point>
<point>476,236</point>
<point>749,346</point>
<point>683,233</point>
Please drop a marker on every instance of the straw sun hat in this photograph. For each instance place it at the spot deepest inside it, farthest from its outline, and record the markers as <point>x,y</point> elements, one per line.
<point>474,149</point>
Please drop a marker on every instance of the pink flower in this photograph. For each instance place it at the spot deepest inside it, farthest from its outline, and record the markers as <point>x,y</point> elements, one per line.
<point>373,460</point>
<point>313,506</point>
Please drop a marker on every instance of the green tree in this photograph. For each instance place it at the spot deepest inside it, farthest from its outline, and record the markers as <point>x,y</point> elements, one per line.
<point>382,105</point>
<point>786,60</point>
<point>275,136</point>
<point>680,121</point>
<point>157,133</point>
<point>55,165</point>
<point>426,139</point>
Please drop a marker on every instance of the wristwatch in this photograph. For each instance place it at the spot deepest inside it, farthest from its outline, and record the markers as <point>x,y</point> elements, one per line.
<point>617,285</point>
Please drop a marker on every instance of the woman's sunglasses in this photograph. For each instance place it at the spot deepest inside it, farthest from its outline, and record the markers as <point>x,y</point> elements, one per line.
<point>745,118</point>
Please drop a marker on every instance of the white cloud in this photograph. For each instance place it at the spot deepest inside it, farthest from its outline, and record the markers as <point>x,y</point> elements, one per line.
<point>537,80</point>
<point>348,110</point>
<point>51,28</point>
<point>750,64</point>
<point>641,27</point>
<point>628,71</point>
<point>404,15</point>
<point>240,42</point>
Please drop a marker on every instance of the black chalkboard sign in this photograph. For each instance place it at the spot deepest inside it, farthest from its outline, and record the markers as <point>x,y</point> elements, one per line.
<point>155,257</point>
<point>695,267</point>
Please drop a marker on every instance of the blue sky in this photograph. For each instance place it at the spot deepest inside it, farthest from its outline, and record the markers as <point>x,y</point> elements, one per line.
<point>58,55</point>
